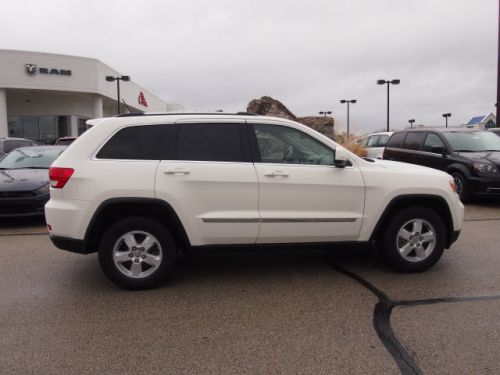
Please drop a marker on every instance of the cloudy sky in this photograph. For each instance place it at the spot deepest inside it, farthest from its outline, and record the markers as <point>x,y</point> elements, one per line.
<point>220,54</point>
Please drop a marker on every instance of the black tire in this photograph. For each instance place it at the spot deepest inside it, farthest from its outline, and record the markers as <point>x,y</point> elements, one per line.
<point>162,253</point>
<point>462,188</point>
<point>391,242</point>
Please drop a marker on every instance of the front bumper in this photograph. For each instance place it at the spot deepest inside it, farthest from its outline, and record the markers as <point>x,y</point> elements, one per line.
<point>23,206</point>
<point>484,186</point>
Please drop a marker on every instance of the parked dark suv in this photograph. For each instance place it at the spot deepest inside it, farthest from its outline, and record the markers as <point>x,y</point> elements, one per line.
<point>472,157</point>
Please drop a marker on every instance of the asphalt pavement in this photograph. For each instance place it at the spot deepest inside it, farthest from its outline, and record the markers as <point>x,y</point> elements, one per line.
<point>283,312</point>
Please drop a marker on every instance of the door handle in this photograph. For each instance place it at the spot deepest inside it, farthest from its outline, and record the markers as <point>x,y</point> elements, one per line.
<point>176,171</point>
<point>277,174</point>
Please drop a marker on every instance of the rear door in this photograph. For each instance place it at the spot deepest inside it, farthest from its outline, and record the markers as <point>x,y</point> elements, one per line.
<point>210,181</point>
<point>303,198</point>
<point>412,145</point>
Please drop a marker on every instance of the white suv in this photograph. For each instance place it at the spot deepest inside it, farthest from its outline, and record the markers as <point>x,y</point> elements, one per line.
<point>138,189</point>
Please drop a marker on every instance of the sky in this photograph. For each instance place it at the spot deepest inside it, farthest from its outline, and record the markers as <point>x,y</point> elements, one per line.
<point>221,54</point>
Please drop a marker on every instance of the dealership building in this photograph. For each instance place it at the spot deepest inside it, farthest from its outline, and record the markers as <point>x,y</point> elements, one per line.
<point>47,96</point>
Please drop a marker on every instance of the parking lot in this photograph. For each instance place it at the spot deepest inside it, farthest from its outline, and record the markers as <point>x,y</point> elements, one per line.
<point>307,312</point>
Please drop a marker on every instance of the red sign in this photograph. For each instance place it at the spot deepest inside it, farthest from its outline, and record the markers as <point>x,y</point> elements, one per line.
<point>142,100</point>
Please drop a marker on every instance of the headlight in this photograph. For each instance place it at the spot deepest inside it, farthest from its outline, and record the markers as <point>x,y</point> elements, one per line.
<point>484,168</point>
<point>44,189</point>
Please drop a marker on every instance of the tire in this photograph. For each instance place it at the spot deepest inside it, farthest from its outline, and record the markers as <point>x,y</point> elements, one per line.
<point>462,188</point>
<point>137,253</point>
<point>405,248</point>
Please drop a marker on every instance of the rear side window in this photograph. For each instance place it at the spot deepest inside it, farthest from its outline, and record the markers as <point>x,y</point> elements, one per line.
<point>136,143</point>
<point>209,142</point>
<point>396,140</point>
<point>414,141</point>
<point>372,141</point>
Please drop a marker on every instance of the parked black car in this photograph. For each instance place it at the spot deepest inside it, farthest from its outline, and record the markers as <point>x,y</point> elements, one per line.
<point>8,144</point>
<point>24,180</point>
<point>472,157</point>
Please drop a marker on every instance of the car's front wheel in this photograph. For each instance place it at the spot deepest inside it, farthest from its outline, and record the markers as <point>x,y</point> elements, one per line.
<point>414,240</point>
<point>461,184</point>
<point>137,253</point>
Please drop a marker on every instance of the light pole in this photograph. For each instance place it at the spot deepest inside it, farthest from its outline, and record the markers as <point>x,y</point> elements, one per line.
<point>446,115</point>
<point>118,79</point>
<point>412,121</point>
<point>388,82</point>
<point>329,113</point>
<point>353,101</point>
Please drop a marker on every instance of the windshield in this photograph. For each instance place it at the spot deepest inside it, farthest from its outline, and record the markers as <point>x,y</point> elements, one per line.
<point>30,158</point>
<point>473,141</point>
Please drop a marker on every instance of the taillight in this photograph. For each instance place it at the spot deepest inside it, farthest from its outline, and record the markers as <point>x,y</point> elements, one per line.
<point>59,176</point>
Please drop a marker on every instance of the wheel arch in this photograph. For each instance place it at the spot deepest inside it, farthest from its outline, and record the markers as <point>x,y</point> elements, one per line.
<point>456,167</point>
<point>434,202</point>
<point>115,209</point>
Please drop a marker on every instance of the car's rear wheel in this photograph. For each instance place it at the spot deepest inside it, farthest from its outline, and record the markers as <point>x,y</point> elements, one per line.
<point>137,253</point>
<point>414,240</point>
<point>461,184</point>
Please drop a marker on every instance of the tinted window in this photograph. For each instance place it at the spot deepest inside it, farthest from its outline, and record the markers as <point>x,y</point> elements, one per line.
<point>209,142</point>
<point>382,140</point>
<point>135,142</point>
<point>281,144</point>
<point>8,146</point>
<point>431,141</point>
<point>396,140</point>
<point>414,141</point>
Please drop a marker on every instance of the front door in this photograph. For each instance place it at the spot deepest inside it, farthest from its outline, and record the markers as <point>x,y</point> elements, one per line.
<point>302,197</point>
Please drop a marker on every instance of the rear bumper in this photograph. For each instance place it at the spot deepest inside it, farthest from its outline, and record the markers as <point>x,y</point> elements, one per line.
<point>70,244</point>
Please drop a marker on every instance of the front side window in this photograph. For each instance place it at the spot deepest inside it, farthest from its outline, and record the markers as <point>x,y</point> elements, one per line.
<point>432,142</point>
<point>135,143</point>
<point>209,142</point>
<point>284,145</point>
<point>414,141</point>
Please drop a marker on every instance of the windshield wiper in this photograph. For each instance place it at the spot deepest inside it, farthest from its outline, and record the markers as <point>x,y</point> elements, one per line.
<point>465,151</point>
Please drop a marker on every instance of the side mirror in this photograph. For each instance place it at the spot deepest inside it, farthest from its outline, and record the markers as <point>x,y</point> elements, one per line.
<point>437,150</point>
<point>340,158</point>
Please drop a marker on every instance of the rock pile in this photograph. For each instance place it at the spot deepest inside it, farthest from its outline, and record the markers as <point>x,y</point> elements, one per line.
<point>271,107</point>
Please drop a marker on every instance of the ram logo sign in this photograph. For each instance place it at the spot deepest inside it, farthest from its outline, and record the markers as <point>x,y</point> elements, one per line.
<point>32,69</point>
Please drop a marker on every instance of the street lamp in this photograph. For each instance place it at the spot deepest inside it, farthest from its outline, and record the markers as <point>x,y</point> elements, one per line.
<point>329,113</point>
<point>446,115</point>
<point>388,82</point>
<point>118,79</point>
<point>353,101</point>
<point>412,121</point>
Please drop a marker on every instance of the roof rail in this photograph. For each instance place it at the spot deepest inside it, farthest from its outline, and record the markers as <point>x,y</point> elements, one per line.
<point>133,114</point>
